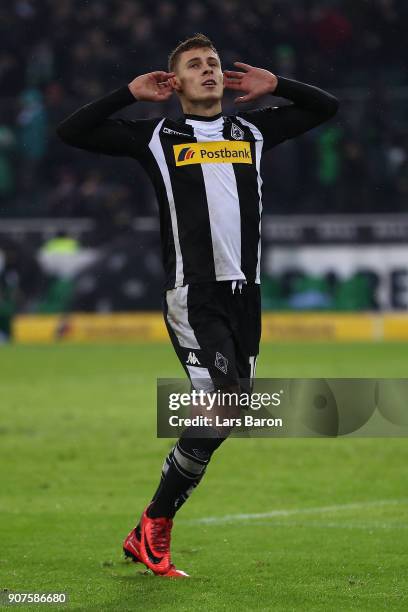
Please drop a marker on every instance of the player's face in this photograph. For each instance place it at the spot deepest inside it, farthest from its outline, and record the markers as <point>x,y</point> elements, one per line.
<point>199,76</point>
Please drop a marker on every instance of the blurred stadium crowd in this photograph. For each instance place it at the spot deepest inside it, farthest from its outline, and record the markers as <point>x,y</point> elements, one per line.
<point>57,56</point>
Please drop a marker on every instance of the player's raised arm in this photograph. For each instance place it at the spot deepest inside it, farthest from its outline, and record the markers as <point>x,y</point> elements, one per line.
<point>91,129</point>
<point>311,105</point>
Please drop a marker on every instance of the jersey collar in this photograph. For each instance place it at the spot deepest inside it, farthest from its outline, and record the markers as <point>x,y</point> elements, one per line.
<point>202,117</point>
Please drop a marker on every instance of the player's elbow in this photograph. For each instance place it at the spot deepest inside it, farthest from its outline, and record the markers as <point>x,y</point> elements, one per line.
<point>66,134</point>
<point>332,106</point>
<point>62,133</point>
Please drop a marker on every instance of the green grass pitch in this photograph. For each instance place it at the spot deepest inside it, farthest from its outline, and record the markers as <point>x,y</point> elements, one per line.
<point>79,459</point>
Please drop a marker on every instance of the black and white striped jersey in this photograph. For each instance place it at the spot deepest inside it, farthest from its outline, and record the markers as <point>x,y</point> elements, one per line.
<point>206,174</point>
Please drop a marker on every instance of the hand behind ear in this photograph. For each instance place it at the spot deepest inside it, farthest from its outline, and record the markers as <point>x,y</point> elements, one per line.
<point>175,83</point>
<point>152,86</point>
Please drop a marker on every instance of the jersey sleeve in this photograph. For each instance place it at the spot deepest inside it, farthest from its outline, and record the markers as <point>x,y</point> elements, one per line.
<point>310,107</point>
<point>91,128</point>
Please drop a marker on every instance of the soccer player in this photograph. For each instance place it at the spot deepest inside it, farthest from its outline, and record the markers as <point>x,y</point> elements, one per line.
<point>205,168</point>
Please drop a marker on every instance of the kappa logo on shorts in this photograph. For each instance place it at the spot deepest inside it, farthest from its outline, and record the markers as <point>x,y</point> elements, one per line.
<point>221,362</point>
<point>192,359</point>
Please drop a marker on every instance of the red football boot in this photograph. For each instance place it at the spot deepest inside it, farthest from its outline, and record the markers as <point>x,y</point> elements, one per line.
<point>174,573</point>
<point>154,547</point>
<point>131,546</point>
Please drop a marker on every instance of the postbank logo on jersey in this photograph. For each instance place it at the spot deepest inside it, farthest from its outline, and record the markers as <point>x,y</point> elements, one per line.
<point>214,152</point>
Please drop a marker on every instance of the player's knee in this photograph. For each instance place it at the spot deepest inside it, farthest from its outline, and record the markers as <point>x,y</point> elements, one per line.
<point>200,443</point>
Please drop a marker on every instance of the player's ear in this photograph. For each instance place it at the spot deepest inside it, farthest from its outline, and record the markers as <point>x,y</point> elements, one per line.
<point>175,83</point>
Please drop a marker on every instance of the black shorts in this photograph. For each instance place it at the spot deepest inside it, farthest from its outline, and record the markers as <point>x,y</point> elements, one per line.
<point>215,328</point>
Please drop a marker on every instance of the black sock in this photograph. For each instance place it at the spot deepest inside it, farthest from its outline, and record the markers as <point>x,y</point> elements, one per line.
<point>166,464</point>
<point>182,470</point>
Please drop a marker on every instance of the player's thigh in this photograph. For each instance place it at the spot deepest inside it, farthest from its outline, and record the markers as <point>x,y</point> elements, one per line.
<point>198,328</point>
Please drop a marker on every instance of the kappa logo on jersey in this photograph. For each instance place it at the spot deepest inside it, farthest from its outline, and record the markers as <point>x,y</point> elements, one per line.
<point>236,132</point>
<point>214,152</point>
<point>185,154</point>
<point>167,130</point>
<point>192,359</point>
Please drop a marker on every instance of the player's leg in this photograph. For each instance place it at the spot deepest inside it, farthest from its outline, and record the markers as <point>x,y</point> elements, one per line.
<point>198,334</point>
<point>198,329</point>
<point>221,326</point>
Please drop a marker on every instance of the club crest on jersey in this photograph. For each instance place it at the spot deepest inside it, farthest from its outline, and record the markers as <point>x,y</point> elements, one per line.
<point>236,132</point>
<point>213,152</point>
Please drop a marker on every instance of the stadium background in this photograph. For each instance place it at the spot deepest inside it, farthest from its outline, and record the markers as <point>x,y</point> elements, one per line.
<point>79,233</point>
<point>305,524</point>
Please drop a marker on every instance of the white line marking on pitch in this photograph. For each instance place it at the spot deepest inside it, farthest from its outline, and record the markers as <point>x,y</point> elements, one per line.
<point>369,526</point>
<point>230,518</point>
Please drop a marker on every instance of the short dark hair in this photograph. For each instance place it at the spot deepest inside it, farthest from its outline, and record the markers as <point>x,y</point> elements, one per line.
<point>198,41</point>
